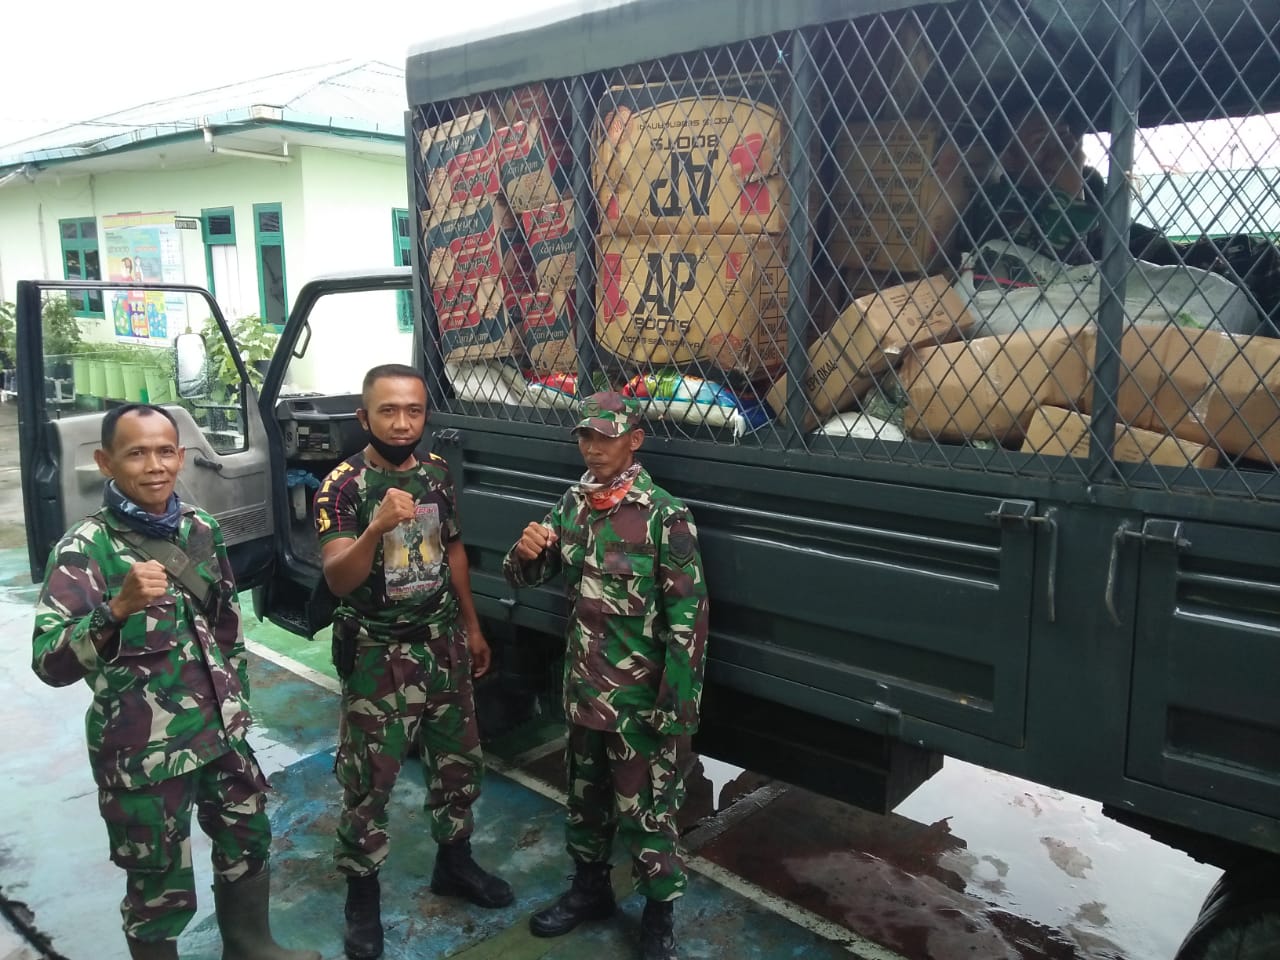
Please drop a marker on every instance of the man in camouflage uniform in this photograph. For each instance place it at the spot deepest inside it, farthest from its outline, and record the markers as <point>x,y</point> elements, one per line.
<point>637,636</point>
<point>1049,201</point>
<point>162,649</point>
<point>407,641</point>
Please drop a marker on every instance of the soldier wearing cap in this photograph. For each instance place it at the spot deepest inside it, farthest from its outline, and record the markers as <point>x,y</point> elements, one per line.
<point>637,636</point>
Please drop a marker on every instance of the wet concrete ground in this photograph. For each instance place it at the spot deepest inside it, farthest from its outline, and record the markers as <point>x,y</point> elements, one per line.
<point>974,865</point>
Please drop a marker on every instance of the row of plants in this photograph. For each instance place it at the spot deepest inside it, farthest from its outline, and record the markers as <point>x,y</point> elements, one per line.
<point>119,371</point>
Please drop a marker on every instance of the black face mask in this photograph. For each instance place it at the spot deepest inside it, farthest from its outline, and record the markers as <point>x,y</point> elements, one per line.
<point>394,453</point>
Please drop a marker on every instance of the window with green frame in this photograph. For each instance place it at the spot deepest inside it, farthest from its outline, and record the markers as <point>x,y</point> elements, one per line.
<point>402,237</point>
<point>218,229</point>
<point>80,262</point>
<point>268,236</point>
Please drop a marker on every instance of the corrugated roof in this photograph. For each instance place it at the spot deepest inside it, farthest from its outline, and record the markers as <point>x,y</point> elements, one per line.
<point>365,97</point>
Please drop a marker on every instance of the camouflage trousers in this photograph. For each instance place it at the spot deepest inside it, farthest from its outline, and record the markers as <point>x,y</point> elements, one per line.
<point>149,830</point>
<point>628,784</point>
<point>403,697</point>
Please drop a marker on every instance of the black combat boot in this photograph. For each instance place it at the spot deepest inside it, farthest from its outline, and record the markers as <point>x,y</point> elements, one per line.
<point>657,938</point>
<point>589,898</point>
<point>242,909</point>
<point>152,949</point>
<point>457,875</point>
<point>363,937</point>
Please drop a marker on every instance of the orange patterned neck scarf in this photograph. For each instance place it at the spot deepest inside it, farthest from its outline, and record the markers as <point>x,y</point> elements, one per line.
<point>607,496</point>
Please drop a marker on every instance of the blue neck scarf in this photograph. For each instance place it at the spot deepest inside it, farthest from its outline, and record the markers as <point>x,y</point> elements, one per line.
<point>161,526</point>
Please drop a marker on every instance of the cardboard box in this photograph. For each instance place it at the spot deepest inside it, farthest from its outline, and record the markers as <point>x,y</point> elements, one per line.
<point>676,299</point>
<point>459,162</point>
<point>1054,432</point>
<point>1216,389</point>
<point>474,323</point>
<point>691,159</point>
<point>475,245</point>
<point>1207,387</point>
<point>477,273</point>
<point>528,166</point>
<point>873,334</point>
<point>502,213</point>
<point>546,104</point>
<point>988,389</point>
<point>899,194</point>
<point>547,330</point>
<point>551,234</point>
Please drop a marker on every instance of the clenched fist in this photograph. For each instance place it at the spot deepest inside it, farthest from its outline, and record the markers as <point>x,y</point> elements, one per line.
<point>396,507</point>
<point>144,583</point>
<point>535,539</point>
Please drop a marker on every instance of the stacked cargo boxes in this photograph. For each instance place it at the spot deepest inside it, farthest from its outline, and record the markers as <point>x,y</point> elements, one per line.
<point>482,173</point>
<point>533,165</point>
<point>476,266</point>
<point>693,202</point>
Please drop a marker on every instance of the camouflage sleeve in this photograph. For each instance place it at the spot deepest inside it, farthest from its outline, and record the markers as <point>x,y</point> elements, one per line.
<point>684,600</point>
<point>452,527</point>
<point>229,630</point>
<point>333,508</point>
<point>62,650</point>
<point>531,573</point>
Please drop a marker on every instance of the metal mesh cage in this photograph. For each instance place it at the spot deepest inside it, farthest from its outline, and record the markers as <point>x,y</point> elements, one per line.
<point>1034,239</point>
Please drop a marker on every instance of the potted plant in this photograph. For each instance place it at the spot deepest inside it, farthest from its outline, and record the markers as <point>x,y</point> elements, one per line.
<point>133,361</point>
<point>256,344</point>
<point>61,336</point>
<point>80,371</point>
<point>158,374</point>
<point>113,357</point>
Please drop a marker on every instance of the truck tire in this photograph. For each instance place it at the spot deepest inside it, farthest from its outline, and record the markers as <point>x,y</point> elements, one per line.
<point>1240,918</point>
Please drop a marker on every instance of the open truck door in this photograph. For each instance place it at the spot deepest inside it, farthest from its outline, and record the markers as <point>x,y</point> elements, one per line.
<point>63,398</point>
<point>340,326</point>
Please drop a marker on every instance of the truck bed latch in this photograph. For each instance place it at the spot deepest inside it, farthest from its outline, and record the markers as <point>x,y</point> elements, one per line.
<point>1023,513</point>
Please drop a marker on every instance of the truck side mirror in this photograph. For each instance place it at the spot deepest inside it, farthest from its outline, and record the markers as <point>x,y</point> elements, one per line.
<point>190,359</point>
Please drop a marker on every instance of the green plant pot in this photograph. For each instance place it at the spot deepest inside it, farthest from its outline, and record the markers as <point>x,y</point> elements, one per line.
<point>98,378</point>
<point>80,372</point>
<point>115,379</point>
<point>135,381</point>
<point>159,387</point>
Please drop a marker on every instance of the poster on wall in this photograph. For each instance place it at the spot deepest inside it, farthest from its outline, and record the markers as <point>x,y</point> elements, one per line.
<point>145,248</point>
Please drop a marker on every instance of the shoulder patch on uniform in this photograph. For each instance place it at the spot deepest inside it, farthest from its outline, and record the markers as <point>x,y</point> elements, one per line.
<point>681,547</point>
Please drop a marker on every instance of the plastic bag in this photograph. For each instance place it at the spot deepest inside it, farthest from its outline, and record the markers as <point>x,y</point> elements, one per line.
<point>487,382</point>
<point>687,399</point>
<point>557,391</point>
<point>861,426</point>
<point>498,382</point>
<point>1014,289</point>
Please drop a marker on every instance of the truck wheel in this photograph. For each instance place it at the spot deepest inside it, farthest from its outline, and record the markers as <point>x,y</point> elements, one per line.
<point>1240,919</point>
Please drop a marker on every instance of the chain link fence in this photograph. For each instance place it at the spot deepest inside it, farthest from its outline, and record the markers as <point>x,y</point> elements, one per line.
<point>1033,238</point>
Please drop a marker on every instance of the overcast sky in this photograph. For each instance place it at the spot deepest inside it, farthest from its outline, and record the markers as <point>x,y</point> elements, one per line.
<point>86,58</point>
<point>83,59</point>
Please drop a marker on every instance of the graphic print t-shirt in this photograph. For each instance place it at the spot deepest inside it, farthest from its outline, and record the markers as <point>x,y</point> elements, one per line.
<point>410,568</point>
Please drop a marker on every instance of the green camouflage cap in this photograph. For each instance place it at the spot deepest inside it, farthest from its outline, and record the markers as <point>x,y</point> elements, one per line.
<point>609,413</point>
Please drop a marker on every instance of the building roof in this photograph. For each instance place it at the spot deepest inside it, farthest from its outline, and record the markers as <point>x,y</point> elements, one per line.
<point>345,97</point>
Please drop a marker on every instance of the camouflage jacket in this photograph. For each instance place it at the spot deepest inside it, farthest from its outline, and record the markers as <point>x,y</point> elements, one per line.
<point>637,630</point>
<point>409,584</point>
<point>170,689</point>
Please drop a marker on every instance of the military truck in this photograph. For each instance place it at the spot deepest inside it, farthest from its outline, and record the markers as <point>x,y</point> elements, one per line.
<point>982,444</point>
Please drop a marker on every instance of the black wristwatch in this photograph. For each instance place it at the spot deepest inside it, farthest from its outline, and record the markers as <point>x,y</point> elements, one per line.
<point>102,621</point>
